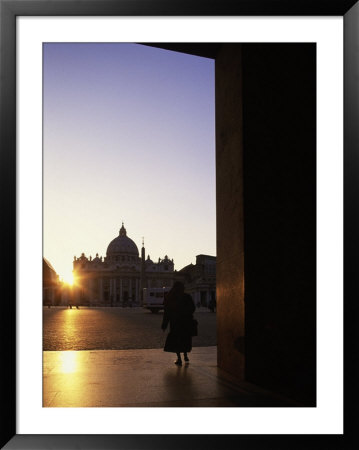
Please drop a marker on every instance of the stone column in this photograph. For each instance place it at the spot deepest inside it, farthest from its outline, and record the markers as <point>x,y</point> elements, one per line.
<point>91,290</point>
<point>121,290</point>
<point>114,290</point>
<point>130,289</point>
<point>101,289</point>
<point>137,290</point>
<point>111,292</point>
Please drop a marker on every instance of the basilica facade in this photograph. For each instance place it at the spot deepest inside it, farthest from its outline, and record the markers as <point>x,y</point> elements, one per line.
<point>118,278</point>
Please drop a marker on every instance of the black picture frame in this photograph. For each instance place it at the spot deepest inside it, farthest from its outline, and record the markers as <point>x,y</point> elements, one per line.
<point>9,10</point>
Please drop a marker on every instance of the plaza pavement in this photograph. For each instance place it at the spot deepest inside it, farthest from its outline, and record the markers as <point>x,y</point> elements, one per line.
<point>145,378</point>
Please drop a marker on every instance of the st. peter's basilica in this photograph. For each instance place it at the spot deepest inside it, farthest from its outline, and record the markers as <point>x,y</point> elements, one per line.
<point>119,278</point>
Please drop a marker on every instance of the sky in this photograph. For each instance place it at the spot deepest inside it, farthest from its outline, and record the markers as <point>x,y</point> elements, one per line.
<point>128,136</point>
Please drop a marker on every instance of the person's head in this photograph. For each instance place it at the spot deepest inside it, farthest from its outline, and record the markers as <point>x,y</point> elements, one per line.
<point>178,287</point>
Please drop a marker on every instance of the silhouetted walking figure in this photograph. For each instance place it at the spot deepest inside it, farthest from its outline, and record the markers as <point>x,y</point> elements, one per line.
<point>178,313</point>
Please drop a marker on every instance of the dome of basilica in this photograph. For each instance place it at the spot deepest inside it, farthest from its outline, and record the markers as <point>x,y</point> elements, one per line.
<point>122,245</point>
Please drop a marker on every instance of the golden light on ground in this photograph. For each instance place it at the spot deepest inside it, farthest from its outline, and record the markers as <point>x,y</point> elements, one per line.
<point>68,362</point>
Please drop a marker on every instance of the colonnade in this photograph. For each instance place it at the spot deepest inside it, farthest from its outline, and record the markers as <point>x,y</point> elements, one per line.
<point>119,285</point>
<point>109,290</point>
<point>112,289</point>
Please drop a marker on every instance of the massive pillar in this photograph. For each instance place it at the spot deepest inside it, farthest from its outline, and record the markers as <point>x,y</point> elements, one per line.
<point>229,179</point>
<point>266,215</point>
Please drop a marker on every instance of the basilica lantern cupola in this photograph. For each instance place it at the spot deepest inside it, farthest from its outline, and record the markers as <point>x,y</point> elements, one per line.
<point>123,231</point>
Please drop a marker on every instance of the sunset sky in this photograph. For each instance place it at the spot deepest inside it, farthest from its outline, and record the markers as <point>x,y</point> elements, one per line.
<point>128,137</point>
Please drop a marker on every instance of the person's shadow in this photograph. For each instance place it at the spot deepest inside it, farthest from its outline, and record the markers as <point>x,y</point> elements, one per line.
<point>179,384</point>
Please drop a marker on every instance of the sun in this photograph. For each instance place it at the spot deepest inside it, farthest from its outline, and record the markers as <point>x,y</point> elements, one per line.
<point>68,278</point>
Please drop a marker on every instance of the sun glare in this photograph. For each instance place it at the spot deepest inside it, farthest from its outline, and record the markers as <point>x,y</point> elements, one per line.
<point>68,279</point>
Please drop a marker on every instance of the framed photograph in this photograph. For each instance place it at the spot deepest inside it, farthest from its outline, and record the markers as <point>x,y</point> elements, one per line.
<point>280,115</point>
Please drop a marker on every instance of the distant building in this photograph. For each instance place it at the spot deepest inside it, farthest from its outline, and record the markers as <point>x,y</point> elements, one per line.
<point>118,279</point>
<point>200,279</point>
<point>50,284</point>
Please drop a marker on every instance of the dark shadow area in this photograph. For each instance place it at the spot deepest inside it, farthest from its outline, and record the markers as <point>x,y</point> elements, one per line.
<point>279,176</point>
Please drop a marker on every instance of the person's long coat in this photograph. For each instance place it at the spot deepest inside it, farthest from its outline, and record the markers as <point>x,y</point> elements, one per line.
<point>178,313</point>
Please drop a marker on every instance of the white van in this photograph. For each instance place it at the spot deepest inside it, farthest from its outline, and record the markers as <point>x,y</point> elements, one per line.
<point>153,298</point>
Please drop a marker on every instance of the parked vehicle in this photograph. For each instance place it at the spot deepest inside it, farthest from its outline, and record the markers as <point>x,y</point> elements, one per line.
<point>153,298</point>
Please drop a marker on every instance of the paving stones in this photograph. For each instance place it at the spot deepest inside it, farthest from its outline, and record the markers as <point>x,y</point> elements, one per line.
<point>114,329</point>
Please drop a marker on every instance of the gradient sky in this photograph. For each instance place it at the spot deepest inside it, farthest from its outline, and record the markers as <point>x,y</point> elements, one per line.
<point>128,136</point>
